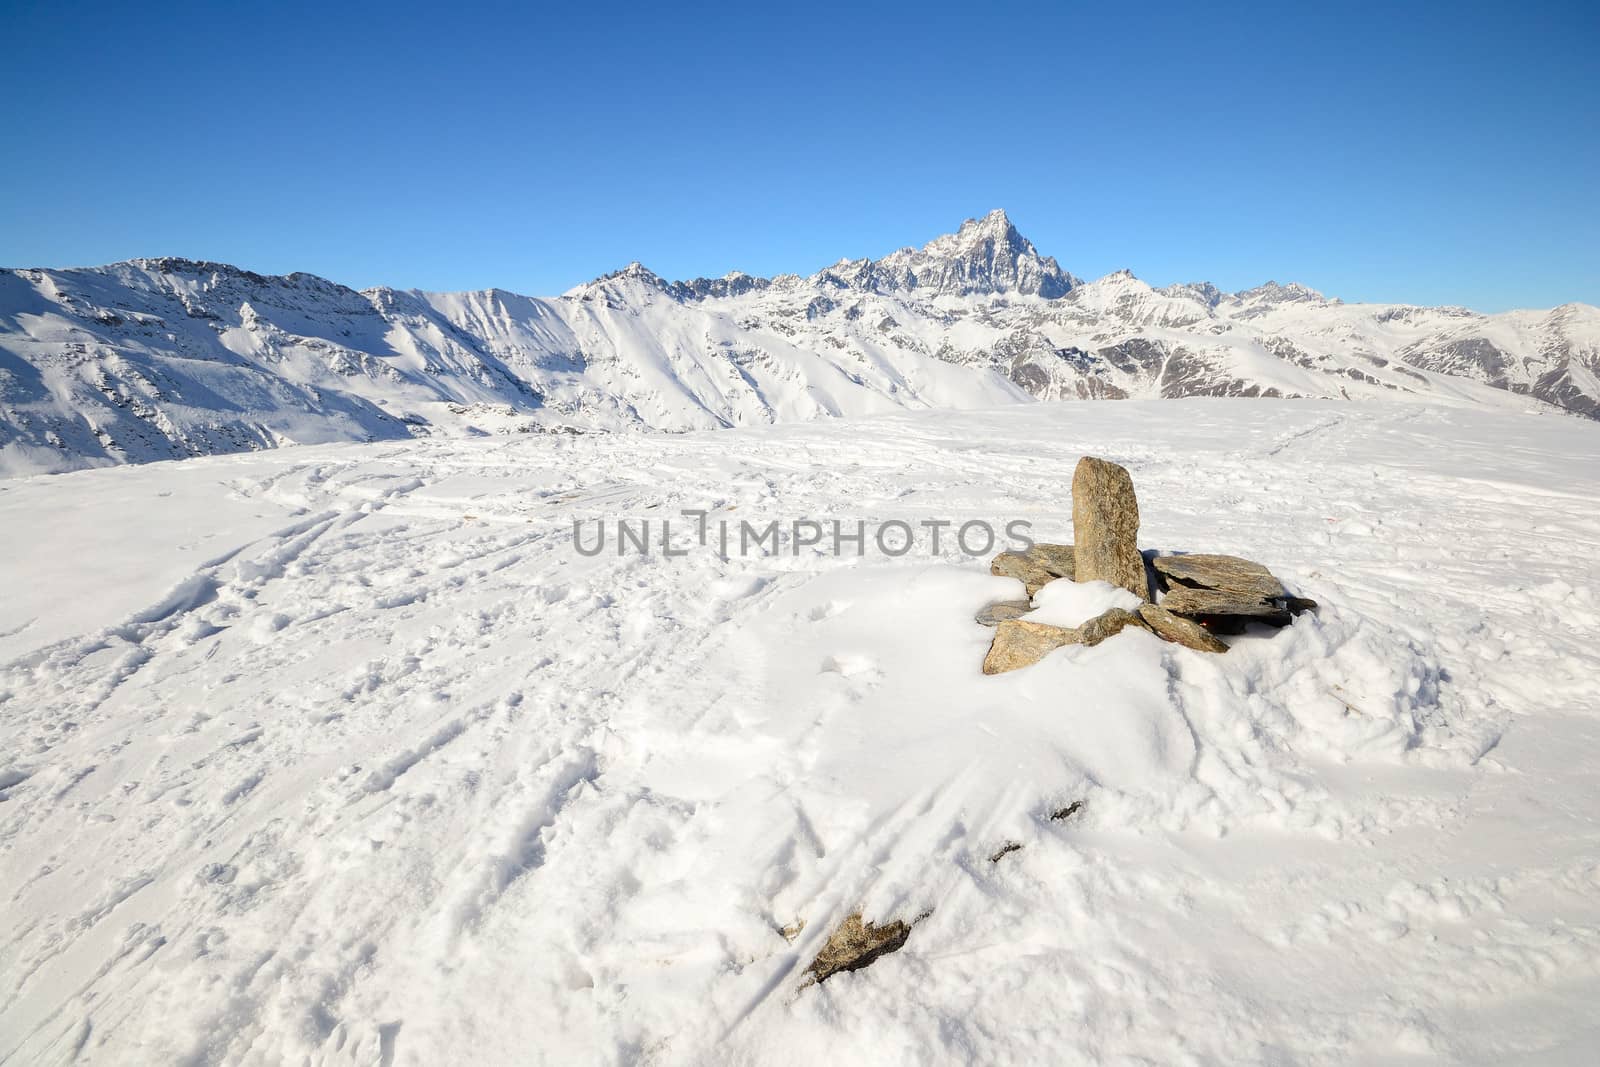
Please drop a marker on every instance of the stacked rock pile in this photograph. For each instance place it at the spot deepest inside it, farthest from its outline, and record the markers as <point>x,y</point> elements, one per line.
<point>1188,599</point>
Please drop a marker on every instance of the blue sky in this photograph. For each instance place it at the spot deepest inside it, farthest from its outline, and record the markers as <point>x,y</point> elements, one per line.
<point>1433,153</point>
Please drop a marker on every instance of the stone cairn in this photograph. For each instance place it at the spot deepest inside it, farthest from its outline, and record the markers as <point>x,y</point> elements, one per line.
<point>1200,595</point>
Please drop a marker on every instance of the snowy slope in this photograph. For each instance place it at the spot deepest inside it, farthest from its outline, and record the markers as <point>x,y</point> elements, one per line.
<point>170,358</point>
<point>163,359</point>
<point>352,758</point>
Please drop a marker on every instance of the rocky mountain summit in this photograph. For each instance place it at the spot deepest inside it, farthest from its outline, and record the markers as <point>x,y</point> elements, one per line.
<point>986,256</point>
<point>165,358</point>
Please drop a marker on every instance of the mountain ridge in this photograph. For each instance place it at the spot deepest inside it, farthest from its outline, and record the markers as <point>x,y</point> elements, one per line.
<point>166,357</point>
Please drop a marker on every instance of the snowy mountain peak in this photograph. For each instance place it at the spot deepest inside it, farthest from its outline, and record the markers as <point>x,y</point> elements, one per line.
<point>1203,292</point>
<point>1118,282</point>
<point>1123,297</point>
<point>634,280</point>
<point>995,226</point>
<point>985,256</point>
<point>733,283</point>
<point>178,265</point>
<point>641,272</point>
<point>1273,293</point>
<point>212,276</point>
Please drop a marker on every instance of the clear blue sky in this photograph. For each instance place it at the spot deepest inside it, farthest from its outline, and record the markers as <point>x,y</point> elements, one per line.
<point>1434,153</point>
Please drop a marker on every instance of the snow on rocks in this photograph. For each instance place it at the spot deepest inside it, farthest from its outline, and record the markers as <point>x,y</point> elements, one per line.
<point>1071,603</point>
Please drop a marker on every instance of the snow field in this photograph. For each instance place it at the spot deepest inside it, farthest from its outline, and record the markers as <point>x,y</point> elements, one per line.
<point>381,770</point>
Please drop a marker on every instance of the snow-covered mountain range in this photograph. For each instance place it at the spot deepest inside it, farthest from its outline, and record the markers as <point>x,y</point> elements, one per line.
<point>164,358</point>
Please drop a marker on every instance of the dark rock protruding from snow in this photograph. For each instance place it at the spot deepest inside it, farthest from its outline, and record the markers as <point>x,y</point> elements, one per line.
<point>855,944</point>
<point>1105,526</point>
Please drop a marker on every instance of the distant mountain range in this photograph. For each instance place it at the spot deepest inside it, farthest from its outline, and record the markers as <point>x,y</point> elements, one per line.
<point>164,358</point>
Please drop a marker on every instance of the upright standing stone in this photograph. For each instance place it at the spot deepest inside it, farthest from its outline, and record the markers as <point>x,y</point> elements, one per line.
<point>1105,527</point>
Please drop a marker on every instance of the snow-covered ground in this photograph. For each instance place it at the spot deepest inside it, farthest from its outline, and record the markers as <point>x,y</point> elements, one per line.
<point>345,754</point>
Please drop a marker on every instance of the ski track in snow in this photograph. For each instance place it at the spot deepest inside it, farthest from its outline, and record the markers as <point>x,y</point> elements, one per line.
<point>405,776</point>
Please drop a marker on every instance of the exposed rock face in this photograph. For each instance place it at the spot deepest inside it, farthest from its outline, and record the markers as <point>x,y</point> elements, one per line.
<point>1226,591</point>
<point>855,944</point>
<point>988,255</point>
<point>1105,526</point>
<point>999,612</point>
<point>1037,567</point>
<point>1178,630</point>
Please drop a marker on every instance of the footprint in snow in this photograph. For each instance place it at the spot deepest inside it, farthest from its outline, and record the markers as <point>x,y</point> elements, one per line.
<point>849,666</point>
<point>826,611</point>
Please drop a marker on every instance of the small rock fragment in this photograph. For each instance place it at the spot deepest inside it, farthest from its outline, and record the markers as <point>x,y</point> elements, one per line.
<point>1105,527</point>
<point>1178,630</point>
<point>996,613</point>
<point>855,944</point>
<point>1067,812</point>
